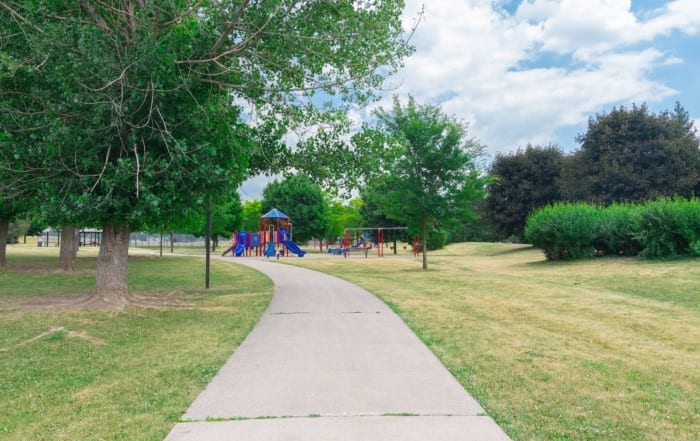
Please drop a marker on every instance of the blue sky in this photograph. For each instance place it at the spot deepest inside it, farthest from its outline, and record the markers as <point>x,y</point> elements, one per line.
<point>534,71</point>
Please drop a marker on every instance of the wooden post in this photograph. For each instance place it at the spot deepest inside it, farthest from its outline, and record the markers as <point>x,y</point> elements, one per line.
<point>207,245</point>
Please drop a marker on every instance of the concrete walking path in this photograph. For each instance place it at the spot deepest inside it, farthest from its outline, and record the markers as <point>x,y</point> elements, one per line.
<point>329,361</point>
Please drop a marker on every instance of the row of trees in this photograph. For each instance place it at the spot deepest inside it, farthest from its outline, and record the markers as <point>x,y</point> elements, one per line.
<point>627,155</point>
<point>419,169</point>
<point>129,114</point>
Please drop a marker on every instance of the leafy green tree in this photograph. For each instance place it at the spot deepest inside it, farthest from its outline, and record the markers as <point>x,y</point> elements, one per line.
<point>226,217</point>
<point>429,176</point>
<point>631,155</point>
<point>374,212</point>
<point>523,181</point>
<point>252,210</point>
<point>343,215</point>
<point>13,206</point>
<point>302,201</point>
<point>131,101</point>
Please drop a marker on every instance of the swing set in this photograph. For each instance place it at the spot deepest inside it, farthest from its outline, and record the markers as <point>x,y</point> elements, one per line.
<point>357,239</point>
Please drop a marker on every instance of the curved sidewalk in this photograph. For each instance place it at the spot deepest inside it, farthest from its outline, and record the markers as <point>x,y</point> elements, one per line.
<point>329,361</point>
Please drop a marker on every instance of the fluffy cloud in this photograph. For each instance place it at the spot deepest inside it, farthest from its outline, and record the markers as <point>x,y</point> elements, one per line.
<point>521,77</point>
<point>530,75</point>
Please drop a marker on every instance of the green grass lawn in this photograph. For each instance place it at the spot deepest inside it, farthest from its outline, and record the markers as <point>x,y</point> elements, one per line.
<point>597,349</point>
<point>94,375</point>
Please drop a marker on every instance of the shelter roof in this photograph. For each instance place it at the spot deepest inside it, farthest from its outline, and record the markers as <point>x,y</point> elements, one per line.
<point>274,214</point>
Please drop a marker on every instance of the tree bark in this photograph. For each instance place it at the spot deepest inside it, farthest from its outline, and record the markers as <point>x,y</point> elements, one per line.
<point>4,228</point>
<point>111,285</point>
<point>172,240</point>
<point>68,251</point>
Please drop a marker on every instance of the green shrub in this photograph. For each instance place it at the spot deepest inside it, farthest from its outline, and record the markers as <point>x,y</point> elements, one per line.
<point>669,228</point>
<point>437,239</point>
<point>564,231</point>
<point>616,230</point>
<point>657,229</point>
<point>695,249</point>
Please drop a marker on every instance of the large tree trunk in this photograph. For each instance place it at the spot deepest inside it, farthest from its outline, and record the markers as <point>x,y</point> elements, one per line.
<point>4,228</point>
<point>68,252</point>
<point>111,285</point>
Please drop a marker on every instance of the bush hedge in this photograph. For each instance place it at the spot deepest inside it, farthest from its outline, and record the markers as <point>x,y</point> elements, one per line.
<point>662,228</point>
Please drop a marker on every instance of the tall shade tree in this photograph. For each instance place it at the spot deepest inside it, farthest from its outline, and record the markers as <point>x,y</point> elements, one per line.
<point>429,174</point>
<point>523,181</point>
<point>303,201</point>
<point>142,108</point>
<point>631,155</point>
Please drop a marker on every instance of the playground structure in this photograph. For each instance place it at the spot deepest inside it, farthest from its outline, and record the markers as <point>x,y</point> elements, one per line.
<point>362,243</point>
<point>273,239</point>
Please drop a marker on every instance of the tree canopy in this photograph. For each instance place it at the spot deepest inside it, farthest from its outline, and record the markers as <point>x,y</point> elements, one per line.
<point>524,181</point>
<point>303,201</point>
<point>226,217</point>
<point>428,174</point>
<point>251,215</point>
<point>344,215</point>
<point>127,112</point>
<point>631,155</point>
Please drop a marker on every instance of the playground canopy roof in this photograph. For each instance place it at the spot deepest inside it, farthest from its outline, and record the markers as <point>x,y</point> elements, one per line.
<point>274,214</point>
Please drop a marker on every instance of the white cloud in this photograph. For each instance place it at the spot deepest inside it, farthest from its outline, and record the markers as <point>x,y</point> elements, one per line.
<point>520,78</point>
<point>253,187</point>
<point>583,27</point>
<point>683,15</point>
<point>543,70</point>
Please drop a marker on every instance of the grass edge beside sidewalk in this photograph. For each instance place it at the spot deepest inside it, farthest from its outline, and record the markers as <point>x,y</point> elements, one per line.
<point>88,374</point>
<point>602,349</point>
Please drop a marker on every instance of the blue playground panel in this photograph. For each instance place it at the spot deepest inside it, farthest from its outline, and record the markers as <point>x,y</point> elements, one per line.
<point>270,251</point>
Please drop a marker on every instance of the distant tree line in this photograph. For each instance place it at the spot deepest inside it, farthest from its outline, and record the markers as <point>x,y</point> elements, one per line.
<point>627,155</point>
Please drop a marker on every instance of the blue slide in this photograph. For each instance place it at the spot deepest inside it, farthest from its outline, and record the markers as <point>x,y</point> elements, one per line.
<point>239,250</point>
<point>294,248</point>
<point>270,251</point>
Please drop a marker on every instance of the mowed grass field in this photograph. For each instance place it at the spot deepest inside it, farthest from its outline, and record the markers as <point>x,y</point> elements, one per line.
<point>604,349</point>
<point>96,375</point>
